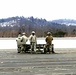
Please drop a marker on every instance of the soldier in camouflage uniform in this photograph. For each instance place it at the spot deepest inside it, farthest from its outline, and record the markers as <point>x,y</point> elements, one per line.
<point>23,42</point>
<point>49,46</point>
<point>33,41</point>
<point>18,40</point>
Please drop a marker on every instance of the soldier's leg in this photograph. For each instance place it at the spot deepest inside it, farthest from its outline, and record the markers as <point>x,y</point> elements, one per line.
<point>50,48</point>
<point>34,46</point>
<point>19,48</point>
<point>45,49</point>
<point>22,48</point>
<point>31,47</point>
<point>53,48</point>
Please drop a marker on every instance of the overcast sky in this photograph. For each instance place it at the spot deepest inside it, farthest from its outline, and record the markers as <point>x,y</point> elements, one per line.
<point>46,9</point>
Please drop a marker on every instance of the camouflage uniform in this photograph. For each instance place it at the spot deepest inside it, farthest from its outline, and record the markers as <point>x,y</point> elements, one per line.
<point>18,40</point>
<point>23,41</point>
<point>48,46</point>
<point>33,41</point>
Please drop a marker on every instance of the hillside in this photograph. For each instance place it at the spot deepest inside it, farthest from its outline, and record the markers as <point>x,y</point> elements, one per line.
<point>65,21</point>
<point>10,27</point>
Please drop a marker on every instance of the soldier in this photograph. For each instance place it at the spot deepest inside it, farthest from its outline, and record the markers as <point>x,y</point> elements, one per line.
<point>23,40</point>
<point>18,40</point>
<point>33,41</point>
<point>48,46</point>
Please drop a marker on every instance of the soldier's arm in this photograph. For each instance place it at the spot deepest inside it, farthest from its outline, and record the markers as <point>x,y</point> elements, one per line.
<point>22,39</point>
<point>36,39</point>
<point>46,39</point>
<point>52,37</point>
<point>16,39</point>
<point>30,37</point>
<point>26,39</point>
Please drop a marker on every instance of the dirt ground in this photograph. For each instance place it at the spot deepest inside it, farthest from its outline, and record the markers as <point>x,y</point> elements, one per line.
<point>61,63</point>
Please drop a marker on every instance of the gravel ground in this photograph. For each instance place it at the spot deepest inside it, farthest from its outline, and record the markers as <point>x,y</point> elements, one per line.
<point>61,63</point>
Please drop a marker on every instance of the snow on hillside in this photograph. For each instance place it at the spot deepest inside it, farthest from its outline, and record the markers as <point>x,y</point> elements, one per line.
<point>10,23</point>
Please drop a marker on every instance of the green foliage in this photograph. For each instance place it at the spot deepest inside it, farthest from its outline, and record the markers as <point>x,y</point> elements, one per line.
<point>59,34</point>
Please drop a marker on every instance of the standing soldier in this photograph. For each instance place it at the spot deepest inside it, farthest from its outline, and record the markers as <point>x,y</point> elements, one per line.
<point>24,40</point>
<point>18,40</point>
<point>48,46</point>
<point>33,41</point>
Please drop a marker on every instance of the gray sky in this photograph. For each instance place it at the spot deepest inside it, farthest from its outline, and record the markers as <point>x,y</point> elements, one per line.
<point>48,9</point>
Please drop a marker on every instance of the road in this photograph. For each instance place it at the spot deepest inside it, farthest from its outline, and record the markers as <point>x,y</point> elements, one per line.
<point>61,63</point>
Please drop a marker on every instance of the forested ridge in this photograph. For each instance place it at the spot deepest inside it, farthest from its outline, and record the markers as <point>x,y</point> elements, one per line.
<point>10,27</point>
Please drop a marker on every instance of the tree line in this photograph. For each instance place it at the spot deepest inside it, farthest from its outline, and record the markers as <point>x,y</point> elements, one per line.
<point>10,27</point>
